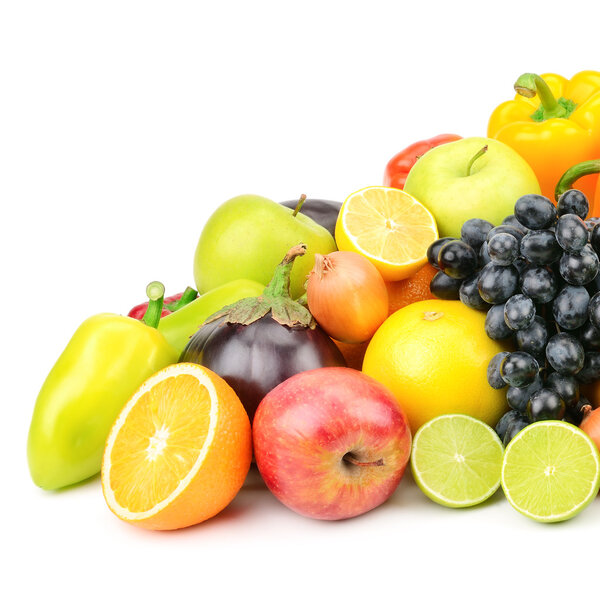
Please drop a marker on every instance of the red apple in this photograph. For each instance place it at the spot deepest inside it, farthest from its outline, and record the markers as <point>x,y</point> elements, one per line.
<point>331,443</point>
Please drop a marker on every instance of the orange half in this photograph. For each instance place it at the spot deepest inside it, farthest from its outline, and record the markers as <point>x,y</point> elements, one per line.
<point>179,451</point>
<point>389,227</point>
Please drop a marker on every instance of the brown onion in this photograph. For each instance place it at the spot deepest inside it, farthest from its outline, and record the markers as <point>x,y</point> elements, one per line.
<point>347,296</point>
<point>590,424</point>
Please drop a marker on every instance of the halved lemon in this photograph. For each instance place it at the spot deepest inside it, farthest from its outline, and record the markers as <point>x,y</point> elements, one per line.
<point>179,451</point>
<point>389,227</point>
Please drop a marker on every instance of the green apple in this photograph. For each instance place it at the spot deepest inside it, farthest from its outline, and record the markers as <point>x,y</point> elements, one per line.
<point>455,188</point>
<point>248,236</point>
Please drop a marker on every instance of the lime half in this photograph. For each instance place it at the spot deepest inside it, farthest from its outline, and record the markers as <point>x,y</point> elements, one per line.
<point>551,471</point>
<point>456,460</point>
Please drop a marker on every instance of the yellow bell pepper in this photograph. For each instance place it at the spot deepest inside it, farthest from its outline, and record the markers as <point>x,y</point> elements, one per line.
<point>553,123</point>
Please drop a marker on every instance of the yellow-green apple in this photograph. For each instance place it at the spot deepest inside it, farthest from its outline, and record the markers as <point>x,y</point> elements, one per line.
<point>457,182</point>
<point>246,237</point>
<point>331,443</point>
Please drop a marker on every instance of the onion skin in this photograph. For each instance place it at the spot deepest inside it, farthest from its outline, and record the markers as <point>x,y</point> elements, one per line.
<point>347,296</point>
<point>590,424</point>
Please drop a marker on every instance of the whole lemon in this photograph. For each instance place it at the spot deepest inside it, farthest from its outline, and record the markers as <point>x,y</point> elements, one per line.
<point>433,355</point>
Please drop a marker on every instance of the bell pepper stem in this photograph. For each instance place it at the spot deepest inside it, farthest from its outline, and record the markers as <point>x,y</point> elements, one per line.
<point>189,295</point>
<point>299,205</point>
<point>530,84</point>
<point>472,161</point>
<point>588,167</point>
<point>155,291</point>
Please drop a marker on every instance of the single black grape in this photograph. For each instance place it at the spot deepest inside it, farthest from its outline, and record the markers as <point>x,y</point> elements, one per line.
<point>535,212</point>
<point>591,368</point>
<point>593,287</point>
<point>565,353</point>
<point>434,250</point>
<point>541,247</point>
<point>503,248</point>
<point>515,426</point>
<point>519,369</point>
<point>484,255</point>
<point>573,202</point>
<point>469,294</point>
<point>571,233</point>
<point>566,386</point>
<point>519,312</point>
<point>580,268</point>
<point>518,398</point>
<point>545,404</point>
<point>594,310</point>
<point>591,223</point>
<point>520,263</point>
<point>595,237</point>
<point>497,283</point>
<point>445,287</point>
<point>512,221</point>
<point>495,325</point>
<point>457,259</point>
<point>539,283</point>
<point>493,371</point>
<point>570,307</point>
<point>589,336</point>
<point>505,420</point>
<point>474,232</point>
<point>533,339</point>
<point>514,231</point>
<point>576,412</point>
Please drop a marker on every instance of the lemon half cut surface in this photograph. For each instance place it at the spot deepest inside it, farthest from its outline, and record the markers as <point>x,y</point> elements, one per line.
<point>388,227</point>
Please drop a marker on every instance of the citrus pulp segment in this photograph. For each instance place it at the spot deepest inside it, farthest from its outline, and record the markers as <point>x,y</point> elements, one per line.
<point>456,460</point>
<point>389,227</point>
<point>178,452</point>
<point>551,471</point>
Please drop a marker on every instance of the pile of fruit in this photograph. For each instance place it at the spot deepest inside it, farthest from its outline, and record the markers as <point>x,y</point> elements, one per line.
<point>449,319</point>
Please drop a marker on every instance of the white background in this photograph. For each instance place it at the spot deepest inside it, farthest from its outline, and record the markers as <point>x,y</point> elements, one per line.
<point>123,125</point>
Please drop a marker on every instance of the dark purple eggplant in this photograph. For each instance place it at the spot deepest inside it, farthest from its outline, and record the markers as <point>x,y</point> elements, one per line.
<point>257,343</point>
<point>324,212</point>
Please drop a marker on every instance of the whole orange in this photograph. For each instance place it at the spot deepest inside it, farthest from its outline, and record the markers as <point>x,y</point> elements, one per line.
<point>433,355</point>
<point>412,289</point>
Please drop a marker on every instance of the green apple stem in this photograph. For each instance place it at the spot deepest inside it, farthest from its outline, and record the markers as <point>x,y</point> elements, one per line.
<point>472,161</point>
<point>350,458</point>
<point>588,167</point>
<point>299,205</point>
<point>530,84</point>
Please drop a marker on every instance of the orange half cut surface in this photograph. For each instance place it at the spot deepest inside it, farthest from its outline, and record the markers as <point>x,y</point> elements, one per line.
<point>179,451</point>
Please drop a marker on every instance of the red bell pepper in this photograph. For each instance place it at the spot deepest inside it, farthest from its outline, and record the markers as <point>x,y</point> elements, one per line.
<point>397,169</point>
<point>170,304</point>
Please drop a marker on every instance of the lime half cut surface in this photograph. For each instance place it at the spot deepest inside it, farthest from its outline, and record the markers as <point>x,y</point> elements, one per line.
<point>551,471</point>
<point>456,460</point>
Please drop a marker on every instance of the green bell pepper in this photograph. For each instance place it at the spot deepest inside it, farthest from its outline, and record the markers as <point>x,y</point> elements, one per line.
<point>179,326</point>
<point>107,359</point>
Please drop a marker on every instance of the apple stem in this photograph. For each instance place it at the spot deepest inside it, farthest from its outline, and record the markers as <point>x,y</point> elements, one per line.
<point>472,161</point>
<point>299,205</point>
<point>349,458</point>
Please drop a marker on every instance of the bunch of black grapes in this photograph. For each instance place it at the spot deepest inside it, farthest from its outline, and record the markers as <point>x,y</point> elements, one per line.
<point>538,277</point>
